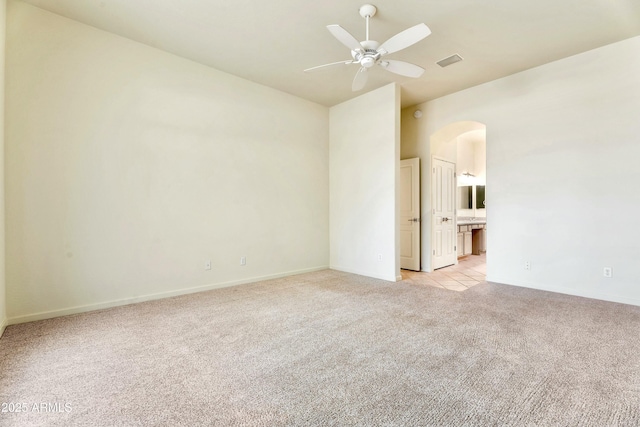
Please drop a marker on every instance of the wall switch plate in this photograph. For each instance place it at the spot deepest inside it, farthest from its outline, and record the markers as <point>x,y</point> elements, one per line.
<point>243,260</point>
<point>607,272</point>
<point>207,265</point>
<point>527,265</point>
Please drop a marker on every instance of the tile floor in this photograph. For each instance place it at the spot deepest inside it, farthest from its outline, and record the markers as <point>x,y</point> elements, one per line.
<point>470,270</point>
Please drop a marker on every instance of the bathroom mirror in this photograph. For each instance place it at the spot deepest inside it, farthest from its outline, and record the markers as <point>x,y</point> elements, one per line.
<point>465,194</point>
<point>480,197</point>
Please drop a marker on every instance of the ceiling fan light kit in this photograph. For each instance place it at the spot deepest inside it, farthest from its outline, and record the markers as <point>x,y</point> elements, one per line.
<point>369,53</point>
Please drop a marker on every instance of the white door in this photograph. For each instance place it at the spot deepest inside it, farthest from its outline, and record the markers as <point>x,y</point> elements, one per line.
<point>410,214</point>
<point>443,222</point>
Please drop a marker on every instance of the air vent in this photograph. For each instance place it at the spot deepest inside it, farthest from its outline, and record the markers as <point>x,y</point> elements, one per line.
<point>449,60</point>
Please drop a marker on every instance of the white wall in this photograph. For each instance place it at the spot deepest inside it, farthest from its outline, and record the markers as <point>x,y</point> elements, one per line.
<point>3,310</point>
<point>365,165</point>
<point>562,148</point>
<point>127,168</point>
<point>471,156</point>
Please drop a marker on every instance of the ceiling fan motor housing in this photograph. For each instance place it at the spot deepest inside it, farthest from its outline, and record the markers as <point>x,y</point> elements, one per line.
<point>370,45</point>
<point>366,58</point>
<point>369,55</point>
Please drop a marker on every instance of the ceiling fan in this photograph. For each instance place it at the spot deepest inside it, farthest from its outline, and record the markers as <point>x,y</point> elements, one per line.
<point>369,52</point>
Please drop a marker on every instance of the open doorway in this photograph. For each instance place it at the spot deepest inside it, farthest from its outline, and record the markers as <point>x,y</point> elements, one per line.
<point>462,144</point>
<point>471,184</point>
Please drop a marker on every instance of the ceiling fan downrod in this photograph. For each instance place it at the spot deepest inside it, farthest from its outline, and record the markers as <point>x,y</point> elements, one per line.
<point>367,11</point>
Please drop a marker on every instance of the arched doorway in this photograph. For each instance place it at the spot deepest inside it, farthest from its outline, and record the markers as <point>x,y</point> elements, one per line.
<point>461,146</point>
<point>446,145</point>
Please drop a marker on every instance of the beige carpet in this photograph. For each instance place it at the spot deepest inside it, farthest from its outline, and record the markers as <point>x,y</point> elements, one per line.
<point>331,348</point>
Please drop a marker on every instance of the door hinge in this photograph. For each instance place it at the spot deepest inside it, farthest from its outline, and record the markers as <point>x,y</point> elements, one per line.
<point>434,251</point>
<point>455,248</point>
<point>434,170</point>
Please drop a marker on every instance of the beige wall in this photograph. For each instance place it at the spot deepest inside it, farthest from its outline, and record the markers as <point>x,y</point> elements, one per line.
<point>562,146</point>
<point>128,168</point>
<point>3,310</point>
<point>365,165</point>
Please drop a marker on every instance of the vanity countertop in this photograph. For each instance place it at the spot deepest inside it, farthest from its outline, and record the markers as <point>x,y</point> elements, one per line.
<point>471,221</point>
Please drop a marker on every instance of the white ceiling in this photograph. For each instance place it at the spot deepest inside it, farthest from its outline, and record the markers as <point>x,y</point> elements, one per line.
<point>271,42</point>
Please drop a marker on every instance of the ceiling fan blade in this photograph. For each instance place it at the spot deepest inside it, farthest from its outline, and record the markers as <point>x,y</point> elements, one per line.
<point>402,68</point>
<point>360,79</point>
<point>350,61</point>
<point>344,37</point>
<point>405,39</point>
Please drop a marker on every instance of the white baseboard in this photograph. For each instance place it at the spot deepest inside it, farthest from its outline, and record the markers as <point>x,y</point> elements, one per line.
<point>3,325</point>
<point>391,278</point>
<point>126,301</point>
<point>568,291</point>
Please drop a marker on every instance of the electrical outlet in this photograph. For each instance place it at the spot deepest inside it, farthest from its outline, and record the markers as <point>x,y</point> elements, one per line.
<point>207,265</point>
<point>607,272</point>
<point>527,265</point>
<point>243,260</point>
<point>379,257</point>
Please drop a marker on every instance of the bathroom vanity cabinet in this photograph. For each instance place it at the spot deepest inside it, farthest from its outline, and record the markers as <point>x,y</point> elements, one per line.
<point>471,237</point>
